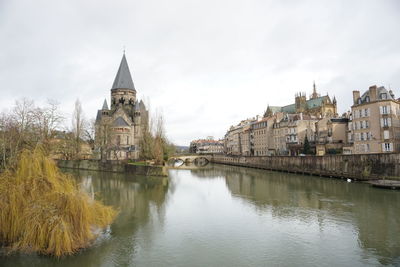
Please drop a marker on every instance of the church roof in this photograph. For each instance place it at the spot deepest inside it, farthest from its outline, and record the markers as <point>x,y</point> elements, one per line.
<point>311,103</point>
<point>137,108</point>
<point>105,106</point>
<point>123,80</point>
<point>289,108</point>
<point>316,102</point>
<point>120,122</point>
<point>98,117</point>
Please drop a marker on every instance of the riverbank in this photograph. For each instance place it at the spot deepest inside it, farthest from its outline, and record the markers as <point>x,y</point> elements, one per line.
<point>355,167</point>
<point>109,166</point>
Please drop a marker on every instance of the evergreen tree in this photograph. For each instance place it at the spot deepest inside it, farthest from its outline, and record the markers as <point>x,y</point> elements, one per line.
<point>307,147</point>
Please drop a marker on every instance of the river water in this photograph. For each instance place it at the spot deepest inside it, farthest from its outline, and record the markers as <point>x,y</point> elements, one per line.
<point>233,216</point>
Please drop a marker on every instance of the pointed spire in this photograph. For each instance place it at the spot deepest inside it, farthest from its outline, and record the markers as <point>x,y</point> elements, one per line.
<point>105,106</point>
<point>314,88</point>
<point>123,80</point>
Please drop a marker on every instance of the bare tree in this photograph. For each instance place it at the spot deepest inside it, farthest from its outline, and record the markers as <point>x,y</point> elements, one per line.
<point>78,123</point>
<point>158,139</point>
<point>25,126</point>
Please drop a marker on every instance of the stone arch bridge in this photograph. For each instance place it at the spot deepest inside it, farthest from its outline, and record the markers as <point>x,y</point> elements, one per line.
<point>203,159</point>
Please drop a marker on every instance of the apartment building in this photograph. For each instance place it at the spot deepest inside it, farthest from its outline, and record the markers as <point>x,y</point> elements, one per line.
<point>375,126</point>
<point>207,146</point>
<point>331,135</point>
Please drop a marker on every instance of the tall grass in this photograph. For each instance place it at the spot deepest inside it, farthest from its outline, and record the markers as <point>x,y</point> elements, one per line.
<point>42,210</point>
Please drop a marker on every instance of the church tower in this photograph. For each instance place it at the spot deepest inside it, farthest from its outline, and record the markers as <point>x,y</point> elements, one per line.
<point>118,128</point>
<point>123,92</point>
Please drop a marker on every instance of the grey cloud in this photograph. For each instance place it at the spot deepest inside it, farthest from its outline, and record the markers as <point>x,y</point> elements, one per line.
<point>206,64</point>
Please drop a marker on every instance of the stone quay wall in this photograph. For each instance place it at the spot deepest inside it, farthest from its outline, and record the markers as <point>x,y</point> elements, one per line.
<point>109,166</point>
<point>358,167</point>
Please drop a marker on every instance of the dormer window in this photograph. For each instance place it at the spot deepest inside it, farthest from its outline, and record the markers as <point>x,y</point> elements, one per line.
<point>383,96</point>
<point>367,99</point>
<point>359,101</point>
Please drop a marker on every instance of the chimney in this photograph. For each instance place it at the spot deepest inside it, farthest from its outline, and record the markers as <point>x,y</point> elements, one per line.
<point>356,96</point>
<point>372,93</point>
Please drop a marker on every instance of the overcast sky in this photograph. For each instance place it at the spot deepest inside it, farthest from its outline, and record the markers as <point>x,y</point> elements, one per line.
<point>206,64</point>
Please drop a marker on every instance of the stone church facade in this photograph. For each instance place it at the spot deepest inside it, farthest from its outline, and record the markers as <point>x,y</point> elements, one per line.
<point>119,128</point>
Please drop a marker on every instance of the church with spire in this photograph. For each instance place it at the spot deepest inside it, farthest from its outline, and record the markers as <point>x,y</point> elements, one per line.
<point>119,128</point>
<point>317,105</point>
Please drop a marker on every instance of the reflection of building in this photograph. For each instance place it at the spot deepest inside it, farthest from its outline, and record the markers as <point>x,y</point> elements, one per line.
<point>207,146</point>
<point>375,121</point>
<point>372,215</point>
<point>119,128</point>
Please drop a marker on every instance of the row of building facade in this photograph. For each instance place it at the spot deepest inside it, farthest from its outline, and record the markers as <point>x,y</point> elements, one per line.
<point>207,146</point>
<point>372,126</point>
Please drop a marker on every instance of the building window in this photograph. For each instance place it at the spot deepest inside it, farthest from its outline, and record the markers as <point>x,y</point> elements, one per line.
<point>367,99</point>
<point>118,139</point>
<point>386,134</point>
<point>387,147</point>
<point>366,124</point>
<point>365,112</point>
<point>386,122</point>
<point>362,136</point>
<point>360,113</point>
<point>383,96</point>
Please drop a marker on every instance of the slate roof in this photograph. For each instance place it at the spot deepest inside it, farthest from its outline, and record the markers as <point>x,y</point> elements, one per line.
<point>137,108</point>
<point>120,122</point>
<point>98,116</point>
<point>289,108</point>
<point>274,109</point>
<point>380,90</point>
<point>311,103</point>
<point>123,80</point>
<point>316,102</point>
<point>105,106</point>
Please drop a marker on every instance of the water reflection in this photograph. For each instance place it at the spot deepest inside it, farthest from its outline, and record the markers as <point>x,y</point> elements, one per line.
<point>373,213</point>
<point>231,216</point>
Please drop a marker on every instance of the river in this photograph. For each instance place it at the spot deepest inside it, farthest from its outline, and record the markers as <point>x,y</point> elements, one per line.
<point>232,216</point>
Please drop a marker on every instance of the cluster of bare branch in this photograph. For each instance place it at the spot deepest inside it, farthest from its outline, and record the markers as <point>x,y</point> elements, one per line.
<point>154,143</point>
<point>26,125</point>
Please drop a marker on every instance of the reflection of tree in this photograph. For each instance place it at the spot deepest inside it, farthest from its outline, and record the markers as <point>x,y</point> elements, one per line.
<point>137,198</point>
<point>374,212</point>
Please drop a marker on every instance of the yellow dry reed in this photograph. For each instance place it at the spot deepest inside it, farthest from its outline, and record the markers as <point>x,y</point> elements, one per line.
<point>42,210</point>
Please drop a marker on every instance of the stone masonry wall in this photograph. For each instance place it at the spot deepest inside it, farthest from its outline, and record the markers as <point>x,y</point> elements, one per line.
<point>359,167</point>
<point>96,165</point>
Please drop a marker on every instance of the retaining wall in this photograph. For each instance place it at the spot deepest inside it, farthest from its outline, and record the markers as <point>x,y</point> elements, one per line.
<point>109,166</point>
<point>359,167</point>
